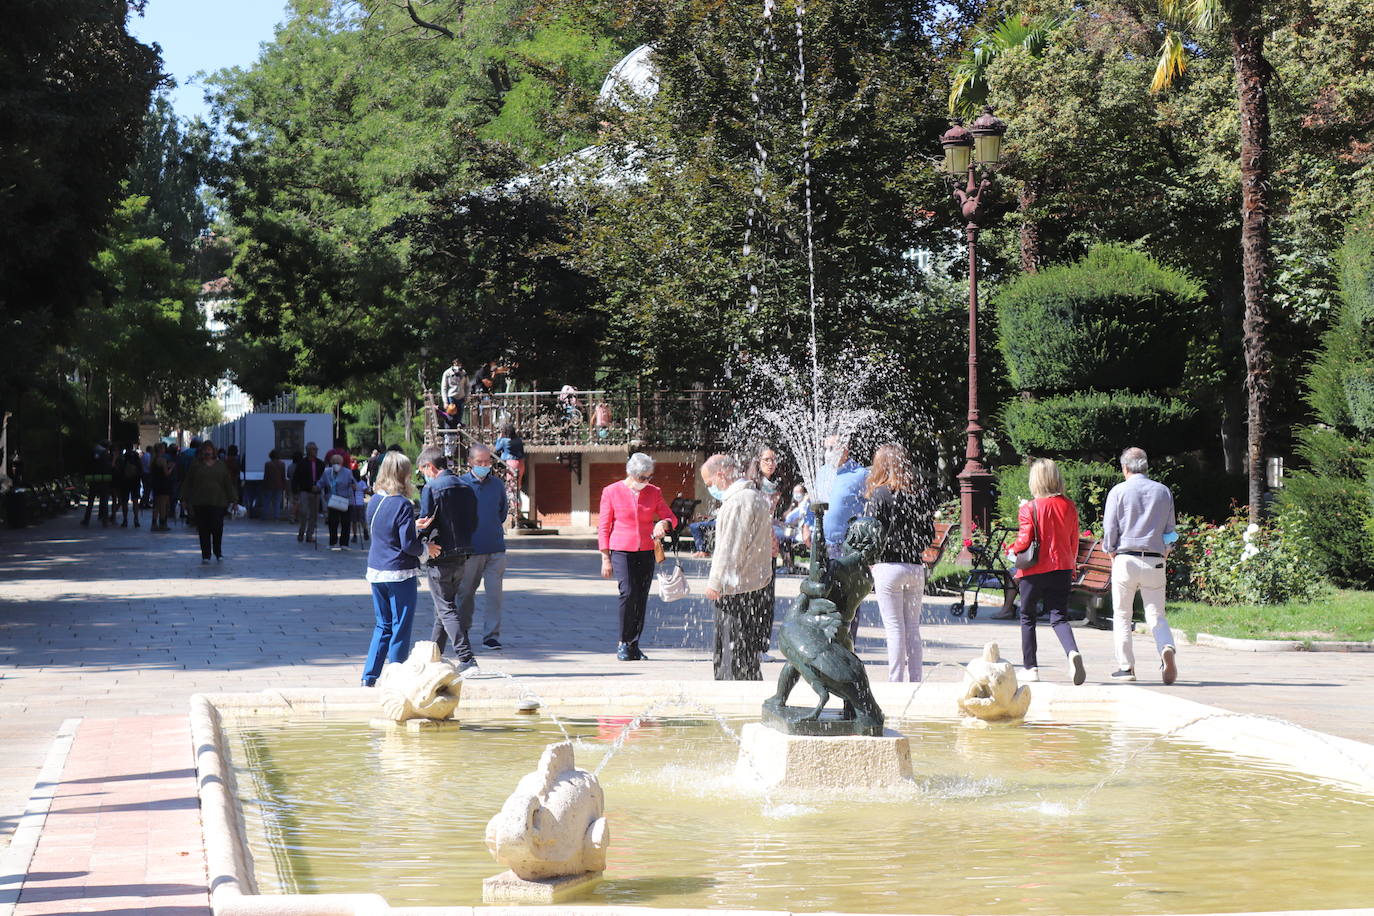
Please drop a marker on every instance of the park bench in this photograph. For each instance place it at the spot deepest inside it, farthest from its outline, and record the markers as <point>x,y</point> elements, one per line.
<point>931,556</point>
<point>1093,582</point>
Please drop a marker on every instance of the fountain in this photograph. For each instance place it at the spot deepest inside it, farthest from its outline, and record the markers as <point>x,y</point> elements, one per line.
<point>307,811</point>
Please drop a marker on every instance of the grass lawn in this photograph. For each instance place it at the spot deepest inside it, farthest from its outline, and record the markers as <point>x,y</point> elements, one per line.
<point>1343,615</point>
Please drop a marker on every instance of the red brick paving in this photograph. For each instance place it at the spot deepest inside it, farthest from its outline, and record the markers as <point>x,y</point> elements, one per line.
<point>123,833</point>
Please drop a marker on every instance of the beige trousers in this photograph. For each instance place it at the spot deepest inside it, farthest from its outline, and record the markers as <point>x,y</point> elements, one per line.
<point>1145,575</point>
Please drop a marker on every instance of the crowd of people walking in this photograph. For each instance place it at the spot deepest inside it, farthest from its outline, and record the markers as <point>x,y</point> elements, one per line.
<point>760,520</point>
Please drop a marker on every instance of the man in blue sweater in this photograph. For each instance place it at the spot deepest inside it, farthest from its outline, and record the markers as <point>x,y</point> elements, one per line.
<point>448,514</point>
<point>487,562</point>
<point>839,483</point>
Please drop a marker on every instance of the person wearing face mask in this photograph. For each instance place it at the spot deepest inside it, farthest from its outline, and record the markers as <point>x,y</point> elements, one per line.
<point>794,529</point>
<point>763,473</point>
<point>486,564</point>
<point>633,516</point>
<point>840,483</point>
<point>741,568</point>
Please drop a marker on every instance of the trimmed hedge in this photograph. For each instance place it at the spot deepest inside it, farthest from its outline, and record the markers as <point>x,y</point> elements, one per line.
<point>1086,483</point>
<point>1096,424</point>
<point>1116,319</point>
<point>1330,504</point>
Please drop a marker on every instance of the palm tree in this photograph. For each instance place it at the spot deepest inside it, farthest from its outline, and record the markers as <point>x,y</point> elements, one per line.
<point>969,93</point>
<point>1244,25</point>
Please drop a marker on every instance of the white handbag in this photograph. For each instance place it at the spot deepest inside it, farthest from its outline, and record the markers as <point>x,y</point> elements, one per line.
<point>673,585</point>
<point>338,502</point>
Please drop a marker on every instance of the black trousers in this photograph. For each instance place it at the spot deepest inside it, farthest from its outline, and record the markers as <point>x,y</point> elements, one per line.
<point>634,572</point>
<point>1050,591</point>
<point>767,611</point>
<point>448,626</point>
<point>739,619</point>
<point>338,527</point>
<point>210,527</point>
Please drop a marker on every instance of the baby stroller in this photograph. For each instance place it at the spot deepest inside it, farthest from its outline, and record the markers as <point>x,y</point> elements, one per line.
<point>990,570</point>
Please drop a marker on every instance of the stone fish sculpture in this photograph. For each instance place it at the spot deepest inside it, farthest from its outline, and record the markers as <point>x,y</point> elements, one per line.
<point>424,686</point>
<point>990,690</point>
<point>815,633</point>
<point>554,824</point>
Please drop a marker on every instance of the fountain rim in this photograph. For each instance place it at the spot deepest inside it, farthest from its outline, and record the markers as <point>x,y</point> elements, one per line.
<point>233,886</point>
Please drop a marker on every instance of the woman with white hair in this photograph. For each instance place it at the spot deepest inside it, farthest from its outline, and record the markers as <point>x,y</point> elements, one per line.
<point>393,564</point>
<point>337,487</point>
<point>633,517</point>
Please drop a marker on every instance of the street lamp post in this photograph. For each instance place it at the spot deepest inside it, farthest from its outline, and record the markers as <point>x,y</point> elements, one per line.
<point>973,153</point>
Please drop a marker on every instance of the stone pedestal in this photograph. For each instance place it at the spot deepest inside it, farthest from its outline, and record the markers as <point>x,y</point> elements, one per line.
<point>508,887</point>
<point>769,758</point>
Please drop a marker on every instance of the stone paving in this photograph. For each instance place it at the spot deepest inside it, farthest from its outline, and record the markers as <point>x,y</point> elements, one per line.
<point>109,623</point>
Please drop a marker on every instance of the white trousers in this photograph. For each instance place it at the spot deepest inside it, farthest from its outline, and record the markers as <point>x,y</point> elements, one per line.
<point>900,588</point>
<point>1145,575</point>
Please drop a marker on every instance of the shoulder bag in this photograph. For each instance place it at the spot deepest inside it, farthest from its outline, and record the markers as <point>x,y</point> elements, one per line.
<point>1031,555</point>
<point>672,584</point>
<point>336,501</point>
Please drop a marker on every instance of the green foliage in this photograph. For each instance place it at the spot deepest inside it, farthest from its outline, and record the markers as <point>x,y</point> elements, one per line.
<point>1342,615</point>
<point>1115,319</point>
<point>1086,484</point>
<point>1240,563</point>
<point>970,88</point>
<point>1340,385</point>
<point>75,87</point>
<point>1093,423</point>
<point>1329,504</point>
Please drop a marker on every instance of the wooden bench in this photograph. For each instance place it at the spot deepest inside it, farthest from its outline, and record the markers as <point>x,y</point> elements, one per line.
<point>1092,581</point>
<point>930,557</point>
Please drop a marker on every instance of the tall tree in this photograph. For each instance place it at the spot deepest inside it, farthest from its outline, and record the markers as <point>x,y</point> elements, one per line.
<point>1245,25</point>
<point>75,87</point>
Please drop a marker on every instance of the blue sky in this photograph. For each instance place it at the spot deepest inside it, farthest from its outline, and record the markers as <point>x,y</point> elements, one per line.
<point>205,35</point>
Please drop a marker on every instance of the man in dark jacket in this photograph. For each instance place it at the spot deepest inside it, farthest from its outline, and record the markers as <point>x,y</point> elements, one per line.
<point>306,480</point>
<point>448,514</point>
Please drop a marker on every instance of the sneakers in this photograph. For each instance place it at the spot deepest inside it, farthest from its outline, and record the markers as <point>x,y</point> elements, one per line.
<point>636,655</point>
<point>622,652</point>
<point>765,658</point>
<point>468,668</point>
<point>491,642</point>
<point>1076,668</point>
<point>1125,674</point>
<point>1030,674</point>
<point>1167,665</point>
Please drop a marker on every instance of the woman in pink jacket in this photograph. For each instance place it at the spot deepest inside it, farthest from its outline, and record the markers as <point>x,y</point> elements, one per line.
<point>633,517</point>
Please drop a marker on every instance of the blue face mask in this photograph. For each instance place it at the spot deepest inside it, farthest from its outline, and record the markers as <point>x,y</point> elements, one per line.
<point>716,492</point>
<point>768,486</point>
<point>480,470</point>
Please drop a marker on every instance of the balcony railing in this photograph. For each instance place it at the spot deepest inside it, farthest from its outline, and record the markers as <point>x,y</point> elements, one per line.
<point>689,419</point>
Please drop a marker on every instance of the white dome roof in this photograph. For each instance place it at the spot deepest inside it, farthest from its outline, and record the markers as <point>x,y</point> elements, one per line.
<point>634,75</point>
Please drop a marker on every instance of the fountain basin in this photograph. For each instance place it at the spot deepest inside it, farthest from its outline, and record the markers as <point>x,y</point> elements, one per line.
<point>1057,713</point>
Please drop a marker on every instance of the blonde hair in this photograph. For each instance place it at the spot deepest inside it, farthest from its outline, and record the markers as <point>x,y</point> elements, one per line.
<point>1045,479</point>
<point>892,469</point>
<point>394,477</point>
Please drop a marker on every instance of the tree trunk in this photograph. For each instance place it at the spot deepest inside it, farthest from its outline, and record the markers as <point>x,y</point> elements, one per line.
<point>1232,392</point>
<point>1031,251</point>
<point>1252,79</point>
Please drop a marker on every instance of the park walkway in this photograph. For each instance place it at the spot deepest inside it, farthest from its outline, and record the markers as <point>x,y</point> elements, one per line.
<point>112,624</point>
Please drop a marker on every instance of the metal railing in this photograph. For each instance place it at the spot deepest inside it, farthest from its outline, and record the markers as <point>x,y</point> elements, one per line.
<point>689,419</point>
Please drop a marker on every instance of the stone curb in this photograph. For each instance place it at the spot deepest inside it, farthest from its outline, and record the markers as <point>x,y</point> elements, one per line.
<point>17,856</point>
<point>1280,645</point>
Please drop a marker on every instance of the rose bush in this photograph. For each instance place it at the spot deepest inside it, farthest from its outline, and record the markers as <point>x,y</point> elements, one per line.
<point>1240,563</point>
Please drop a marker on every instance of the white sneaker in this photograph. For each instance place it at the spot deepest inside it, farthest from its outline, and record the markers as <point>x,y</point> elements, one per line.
<point>1076,669</point>
<point>468,668</point>
<point>1030,674</point>
<point>764,658</point>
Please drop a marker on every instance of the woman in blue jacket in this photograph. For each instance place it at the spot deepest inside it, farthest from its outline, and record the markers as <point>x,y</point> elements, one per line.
<point>393,564</point>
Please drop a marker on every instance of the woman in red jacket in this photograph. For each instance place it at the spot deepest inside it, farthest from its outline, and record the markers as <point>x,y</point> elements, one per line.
<point>1051,520</point>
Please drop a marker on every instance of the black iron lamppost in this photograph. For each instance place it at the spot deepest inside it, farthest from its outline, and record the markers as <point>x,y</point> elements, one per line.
<point>973,153</point>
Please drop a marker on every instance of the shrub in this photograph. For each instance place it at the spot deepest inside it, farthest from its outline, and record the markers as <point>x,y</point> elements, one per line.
<point>1093,423</point>
<point>1340,384</point>
<point>1115,319</point>
<point>1086,483</point>
<point>1334,515</point>
<point>1240,563</point>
